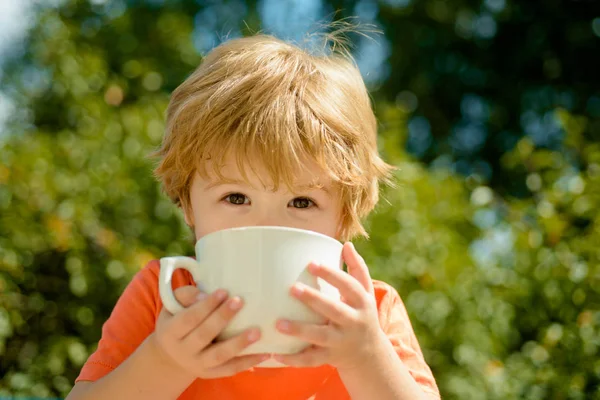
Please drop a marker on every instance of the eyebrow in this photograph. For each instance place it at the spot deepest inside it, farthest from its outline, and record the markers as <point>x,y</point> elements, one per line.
<point>314,186</point>
<point>221,182</point>
<point>310,186</point>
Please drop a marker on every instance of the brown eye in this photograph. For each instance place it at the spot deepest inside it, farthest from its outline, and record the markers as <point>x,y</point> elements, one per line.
<point>237,199</point>
<point>302,202</point>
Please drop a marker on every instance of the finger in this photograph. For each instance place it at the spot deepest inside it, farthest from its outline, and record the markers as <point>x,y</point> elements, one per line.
<point>310,357</point>
<point>212,326</point>
<point>334,310</point>
<point>352,290</point>
<point>357,267</point>
<point>186,321</point>
<point>237,365</point>
<point>222,352</point>
<point>186,295</point>
<point>319,335</point>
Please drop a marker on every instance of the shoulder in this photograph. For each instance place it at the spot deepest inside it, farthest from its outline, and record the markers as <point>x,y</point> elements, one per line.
<point>149,275</point>
<point>143,287</point>
<point>385,293</point>
<point>389,303</point>
<point>149,272</point>
<point>152,272</point>
<point>141,292</point>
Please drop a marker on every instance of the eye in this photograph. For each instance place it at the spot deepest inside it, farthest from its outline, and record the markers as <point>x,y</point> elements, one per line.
<point>237,199</point>
<point>301,202</point>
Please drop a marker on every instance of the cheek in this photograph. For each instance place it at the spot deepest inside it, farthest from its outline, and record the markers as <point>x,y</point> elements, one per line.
<point>205,223</point>
<point>327,224</point>
<point>212,219</point>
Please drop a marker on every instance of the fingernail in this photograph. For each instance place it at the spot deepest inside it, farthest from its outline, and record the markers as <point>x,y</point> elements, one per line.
<point>221,294</point>
<point>284,325</point>
<point>313,267</point>
<point>201,296</point>
<point>297,290</point>
<point>235,303</point>
<point>253,335</point>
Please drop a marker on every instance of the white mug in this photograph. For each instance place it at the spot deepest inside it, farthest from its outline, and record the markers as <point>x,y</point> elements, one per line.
<point>259,264</point>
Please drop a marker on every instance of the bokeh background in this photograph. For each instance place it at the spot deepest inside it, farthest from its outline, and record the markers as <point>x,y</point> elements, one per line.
<point>490,109</point>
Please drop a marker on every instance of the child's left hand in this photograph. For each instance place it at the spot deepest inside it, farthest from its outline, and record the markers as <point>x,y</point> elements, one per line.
<point>353,335</point>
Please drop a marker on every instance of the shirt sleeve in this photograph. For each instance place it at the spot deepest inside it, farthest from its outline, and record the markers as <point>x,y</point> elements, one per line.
<point>131,321</point>
<point>396,324</point>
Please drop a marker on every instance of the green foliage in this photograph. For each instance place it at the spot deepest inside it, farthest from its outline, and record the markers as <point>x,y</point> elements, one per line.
<point>79,209</point>
<point>79,213</point>
<point>503,292</point>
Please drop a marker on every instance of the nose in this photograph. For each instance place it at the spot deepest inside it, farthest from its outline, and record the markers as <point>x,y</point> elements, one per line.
<point>269,218</point>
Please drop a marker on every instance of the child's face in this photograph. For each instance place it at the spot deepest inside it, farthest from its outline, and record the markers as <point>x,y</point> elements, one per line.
<point>219,205</point>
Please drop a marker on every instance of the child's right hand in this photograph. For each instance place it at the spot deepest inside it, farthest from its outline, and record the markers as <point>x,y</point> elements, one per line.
<point>186,339</point>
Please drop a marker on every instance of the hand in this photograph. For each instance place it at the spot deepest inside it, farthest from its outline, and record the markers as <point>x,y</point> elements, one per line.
<point>186,339</point>
<point>352,334</point>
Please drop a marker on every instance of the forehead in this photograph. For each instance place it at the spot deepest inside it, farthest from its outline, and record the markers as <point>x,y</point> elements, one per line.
<point>254,173</point>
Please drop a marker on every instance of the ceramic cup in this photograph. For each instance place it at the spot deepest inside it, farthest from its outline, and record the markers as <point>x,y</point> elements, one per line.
<point>258,264</point>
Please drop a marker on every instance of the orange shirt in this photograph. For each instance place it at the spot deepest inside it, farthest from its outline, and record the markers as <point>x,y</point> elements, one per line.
<point>137,310</point>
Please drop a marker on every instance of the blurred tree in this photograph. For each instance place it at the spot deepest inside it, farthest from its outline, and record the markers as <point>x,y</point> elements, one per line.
<point>499,271</point>
<point>504,293</point>
<point>480,75</point>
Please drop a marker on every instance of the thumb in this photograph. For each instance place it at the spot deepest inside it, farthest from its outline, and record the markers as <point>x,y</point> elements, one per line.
<point>187,295</point>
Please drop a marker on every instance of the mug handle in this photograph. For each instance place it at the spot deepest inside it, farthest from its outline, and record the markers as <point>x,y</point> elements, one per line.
<point>168,265</point>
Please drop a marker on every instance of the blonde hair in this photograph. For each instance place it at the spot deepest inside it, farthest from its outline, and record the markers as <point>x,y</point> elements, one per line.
<point>268,101</point>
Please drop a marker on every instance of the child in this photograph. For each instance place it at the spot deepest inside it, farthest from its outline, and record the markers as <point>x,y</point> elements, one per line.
<point>264,133</point>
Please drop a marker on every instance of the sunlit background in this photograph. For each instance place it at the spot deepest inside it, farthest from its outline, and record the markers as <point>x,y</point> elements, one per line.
<point>490,109</point>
